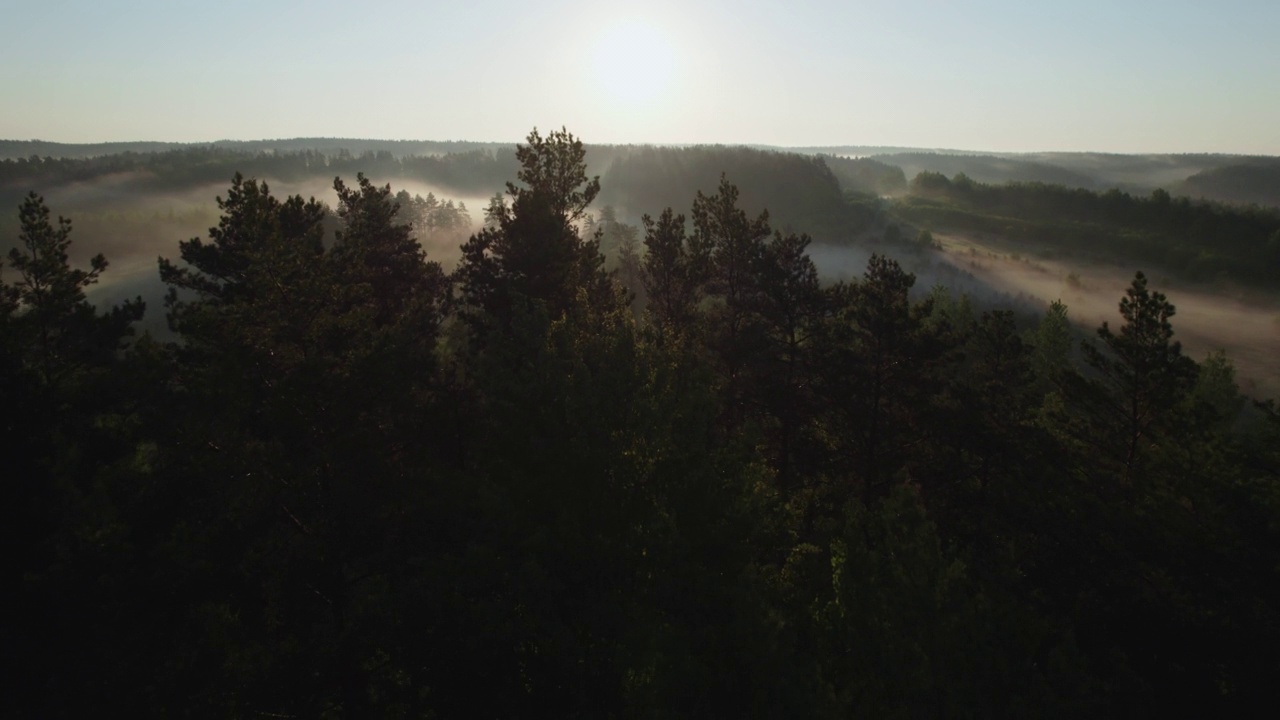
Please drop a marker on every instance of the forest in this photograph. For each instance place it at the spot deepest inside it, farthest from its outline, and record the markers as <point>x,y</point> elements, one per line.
<point>1198,241</point>
<point>688,477</point>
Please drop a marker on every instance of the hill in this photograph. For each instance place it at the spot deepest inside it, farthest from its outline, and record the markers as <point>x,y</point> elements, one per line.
<point>1256,183</point>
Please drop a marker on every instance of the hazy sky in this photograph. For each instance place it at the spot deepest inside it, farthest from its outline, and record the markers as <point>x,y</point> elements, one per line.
<point>1113,75</point>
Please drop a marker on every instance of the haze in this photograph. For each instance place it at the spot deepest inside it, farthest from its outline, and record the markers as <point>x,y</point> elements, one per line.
<point>642,360</point>
<point>1005,76</point>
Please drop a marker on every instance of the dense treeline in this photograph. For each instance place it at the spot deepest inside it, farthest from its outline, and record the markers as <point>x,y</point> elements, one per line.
<point>478,171</point>
<point>989,168</point>
<point>867,175</point>
<point>800,191</point>
<point>359,486</point>
<point>13,149</point>
<point>1195,240</point>
<point>1073,169</point>
<point>1256,183</point>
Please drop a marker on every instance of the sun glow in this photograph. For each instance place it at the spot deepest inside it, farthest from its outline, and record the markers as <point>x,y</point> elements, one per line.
<point>634,66</point>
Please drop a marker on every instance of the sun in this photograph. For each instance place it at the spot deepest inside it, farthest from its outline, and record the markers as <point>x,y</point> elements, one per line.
<point>634,65</point>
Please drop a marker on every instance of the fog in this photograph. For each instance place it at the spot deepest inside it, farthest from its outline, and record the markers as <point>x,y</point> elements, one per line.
<point>127,219</point>
<point>1248,331</point>
<point>844,263</point>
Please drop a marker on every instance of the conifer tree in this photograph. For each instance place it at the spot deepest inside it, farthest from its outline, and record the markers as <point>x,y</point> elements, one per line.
<point>1144,373</point>
<point>66,436</point>
<point>532,251</point>
<point>63,333</point>
<point>670,278</point>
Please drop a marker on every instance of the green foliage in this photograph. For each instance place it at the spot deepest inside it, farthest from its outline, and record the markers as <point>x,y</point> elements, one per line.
<point>464,169</point>
<point>57,330</point>
<point>930,184</point>
<point>533,251</point>
<point>800,191</point>
<point>1053,344</point>
<point>1011,168</point>
<point>1145,376</point>
<point>1199,241</point>
<point>377,253</point>
<point>1215,390</point>
<point>867,175</point>
<point>673,273</point>
<point>735,241</point>
<point>355,486</point>
<point>883,348</point>
<point>910,631</point>
<point>70,405</point>
<point>925,241</point>
<point>1256,182</point>
<point>439,221</point>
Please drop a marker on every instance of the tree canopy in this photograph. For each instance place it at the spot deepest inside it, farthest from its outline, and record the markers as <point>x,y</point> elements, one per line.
<point>702,483</point>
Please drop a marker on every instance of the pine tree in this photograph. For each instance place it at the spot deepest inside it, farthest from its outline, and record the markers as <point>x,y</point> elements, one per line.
<point>1144,374</point>
<point>63,333</point>
<point>67,438</point>
<point>532,251</point>
<point>878,368</point>
<point>671,282</point>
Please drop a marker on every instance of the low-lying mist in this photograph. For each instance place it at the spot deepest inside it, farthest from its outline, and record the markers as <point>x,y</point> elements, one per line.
<point>1249,332</point>
<point>124,217</point>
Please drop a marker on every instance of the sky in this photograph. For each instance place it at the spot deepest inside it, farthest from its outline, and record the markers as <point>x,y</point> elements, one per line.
<point>1025,76</point>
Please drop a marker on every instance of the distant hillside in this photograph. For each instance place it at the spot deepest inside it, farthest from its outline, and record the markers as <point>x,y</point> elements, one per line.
<point>10,149</point>
<point>867,175</point>
<point>872,150</point>
<point>14,149</point>
<point>988,168</point>
<point>1134,172</point>
<point>1098,171</point>
<point>799,191</point>
<point>1194,240</point>
<point>1256,182</point>
<point>105,182</point>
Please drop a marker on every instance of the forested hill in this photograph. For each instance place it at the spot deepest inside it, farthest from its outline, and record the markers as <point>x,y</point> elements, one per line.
<point>356,485</point>
<point>1094,171</point>
<point>1192,239</point>
<point>989,168</point>
<point>799,190</point>
<point>1256,182</point>
<point>12,149</point>
<point>1228,178</point>
<point>122,180</point>
<point>867,175</point>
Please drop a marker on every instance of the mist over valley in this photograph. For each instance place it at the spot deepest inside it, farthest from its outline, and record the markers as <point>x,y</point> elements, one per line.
<point>661,360</point>
<point>136,207</point>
